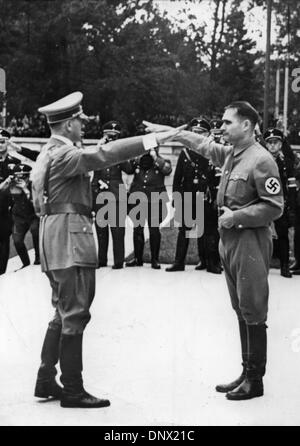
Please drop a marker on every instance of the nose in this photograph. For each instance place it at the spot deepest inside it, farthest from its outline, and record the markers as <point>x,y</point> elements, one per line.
<point>223,126</point>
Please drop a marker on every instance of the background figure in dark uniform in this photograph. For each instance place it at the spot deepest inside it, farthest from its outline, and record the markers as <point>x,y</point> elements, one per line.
<point>295,267</point>
<point>196,174</point>
<point>110,180</point>
<point>23,215</point>
<point>149,173</point>
<point>7,164</point>
<point>274,139</point>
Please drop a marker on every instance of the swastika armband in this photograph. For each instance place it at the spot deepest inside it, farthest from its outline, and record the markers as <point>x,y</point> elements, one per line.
<point>272,186</point>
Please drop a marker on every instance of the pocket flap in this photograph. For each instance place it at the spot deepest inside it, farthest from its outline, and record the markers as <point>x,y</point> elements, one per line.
<point>239,176</point>
<point>81,228</point>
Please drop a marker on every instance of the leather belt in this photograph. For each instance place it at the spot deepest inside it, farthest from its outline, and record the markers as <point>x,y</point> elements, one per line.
<point>66,208</point>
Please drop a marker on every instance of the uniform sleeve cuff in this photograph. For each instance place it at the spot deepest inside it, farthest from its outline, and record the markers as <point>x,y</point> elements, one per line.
<point>149,141</point>
<point>237,221</point>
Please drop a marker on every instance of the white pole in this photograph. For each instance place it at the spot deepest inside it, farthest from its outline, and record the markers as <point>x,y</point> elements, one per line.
<point>286,95</point>
<point>4,111</point>
<point>277,92</point>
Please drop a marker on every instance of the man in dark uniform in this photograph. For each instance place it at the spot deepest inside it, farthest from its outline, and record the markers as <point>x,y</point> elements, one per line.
<point>194,174</point>
<point>295,267</point>
<point>62,197</point>
<point>7,164</point>
<point>149,174</point>
<point>249,199</point>
<point>23,215</point>
<point>274,139</point>
<point>110,180</point>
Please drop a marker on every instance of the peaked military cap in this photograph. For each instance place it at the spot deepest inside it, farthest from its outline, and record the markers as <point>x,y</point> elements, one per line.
<point>112,127</point>
<point>4,134</point>
<point>273,133</point>
<point>68,107</point>
<point>22,168</point>
<point>199,124</point>
<point>215,125</point>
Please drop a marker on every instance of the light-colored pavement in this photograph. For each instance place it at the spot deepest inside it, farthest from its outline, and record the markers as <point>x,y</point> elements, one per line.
<point>156,346</point>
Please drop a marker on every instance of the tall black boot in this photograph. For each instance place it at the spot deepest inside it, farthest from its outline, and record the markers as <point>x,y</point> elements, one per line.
<point>155,238</point>
<point>283,244</point>
<point>35,241</point>
<point>181,251</point>
<point>46,385</point>
<point>201,244</point>
<point>73,394</point>
<point>21,249</point>
<point>212,253</point>
<point>4,253</point>
<point>295,268</point>
<point>224,388</point>
<point>138,245</point>
<point>103,239</point>
<point>252,386</point>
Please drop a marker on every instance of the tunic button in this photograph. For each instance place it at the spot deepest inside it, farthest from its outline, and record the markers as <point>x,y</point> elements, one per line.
<point>240,226</point>
<point>84,229</point>
<point>226,173</point>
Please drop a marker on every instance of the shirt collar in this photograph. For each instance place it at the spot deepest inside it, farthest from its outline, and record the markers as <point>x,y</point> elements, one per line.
<point>240,148</point>
<point>63,139</point>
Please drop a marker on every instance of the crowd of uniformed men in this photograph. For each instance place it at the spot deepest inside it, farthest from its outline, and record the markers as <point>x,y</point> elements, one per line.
<point>193,173</point>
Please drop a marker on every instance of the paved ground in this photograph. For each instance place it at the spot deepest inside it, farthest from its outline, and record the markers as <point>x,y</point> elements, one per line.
<point>156,346</point>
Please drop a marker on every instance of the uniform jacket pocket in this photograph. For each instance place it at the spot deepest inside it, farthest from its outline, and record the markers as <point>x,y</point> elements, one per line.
<point>82,243</point>
<point>238,183</point>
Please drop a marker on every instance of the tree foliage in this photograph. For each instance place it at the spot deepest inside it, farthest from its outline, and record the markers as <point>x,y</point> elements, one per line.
<point>127,57</point>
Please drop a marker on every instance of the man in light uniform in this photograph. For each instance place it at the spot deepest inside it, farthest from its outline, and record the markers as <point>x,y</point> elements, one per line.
<point>249,199</point>
<point>62,197</point>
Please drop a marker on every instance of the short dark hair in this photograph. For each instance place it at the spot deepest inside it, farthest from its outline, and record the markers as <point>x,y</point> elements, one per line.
<point>245,110</point>
<point>55,126</point>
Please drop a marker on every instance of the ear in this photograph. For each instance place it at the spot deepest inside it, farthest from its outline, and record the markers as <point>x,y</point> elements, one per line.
<point>68,125</point>
<point>247,125</point>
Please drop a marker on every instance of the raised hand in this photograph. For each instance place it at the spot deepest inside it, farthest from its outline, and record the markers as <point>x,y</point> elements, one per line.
<point>157,128</point>
<point>13,147</point>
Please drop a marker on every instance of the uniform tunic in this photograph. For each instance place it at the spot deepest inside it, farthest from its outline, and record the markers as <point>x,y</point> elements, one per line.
<point>149,190</point>
<point>149,177</point>
<point>67,246</point>
<point>106,182</point>
<point>250,186</point>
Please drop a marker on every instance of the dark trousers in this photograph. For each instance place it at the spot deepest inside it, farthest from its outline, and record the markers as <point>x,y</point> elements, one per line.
<point>281,245</point>
<point>4,252</point>
<point>208,244</point>
<point>247,274</point>
<point>73,291</point>
<point>154,231</point>
<point>297,236</point>
<point>20,229</point>
<point>139,243</point>
<point>118,236</point>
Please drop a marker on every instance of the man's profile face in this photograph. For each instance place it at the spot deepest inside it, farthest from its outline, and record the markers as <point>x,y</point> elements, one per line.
<point>274,145</point>
<point>233,126</point>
